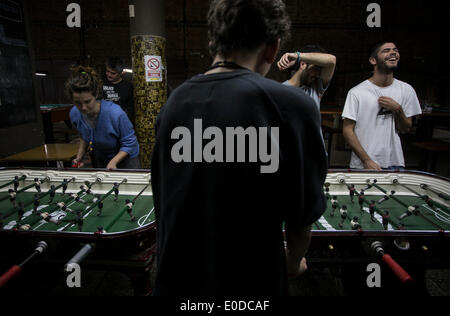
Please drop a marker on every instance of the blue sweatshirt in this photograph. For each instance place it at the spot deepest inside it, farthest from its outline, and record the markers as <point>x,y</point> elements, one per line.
<point>113,131</point>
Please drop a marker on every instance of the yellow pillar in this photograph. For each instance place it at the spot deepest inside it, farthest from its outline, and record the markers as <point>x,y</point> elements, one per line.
<point>150,89</point>
<point>147,28</point>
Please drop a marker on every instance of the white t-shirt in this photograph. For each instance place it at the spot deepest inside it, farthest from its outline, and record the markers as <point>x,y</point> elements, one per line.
<point>375,127</point>
<point>316,90</point>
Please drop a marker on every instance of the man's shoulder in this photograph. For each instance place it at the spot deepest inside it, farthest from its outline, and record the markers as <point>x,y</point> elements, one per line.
<point>404,85</point>
<point>362,86</point>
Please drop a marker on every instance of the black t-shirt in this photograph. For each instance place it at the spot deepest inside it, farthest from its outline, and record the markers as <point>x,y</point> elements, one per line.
<point>122,94</point>
<point>219,224</point>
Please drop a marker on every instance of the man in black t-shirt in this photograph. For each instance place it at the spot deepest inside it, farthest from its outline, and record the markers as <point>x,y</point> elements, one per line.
<point>236,157</point>
<point>117,89</point>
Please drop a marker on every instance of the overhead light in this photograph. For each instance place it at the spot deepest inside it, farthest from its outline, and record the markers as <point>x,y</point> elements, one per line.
<point>41,74</point>
<point>128,70</point>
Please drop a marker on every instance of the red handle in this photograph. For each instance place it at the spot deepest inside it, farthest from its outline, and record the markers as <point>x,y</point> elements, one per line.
<point>76,164</point>
<point>403,276</point>
<point>9,275</point>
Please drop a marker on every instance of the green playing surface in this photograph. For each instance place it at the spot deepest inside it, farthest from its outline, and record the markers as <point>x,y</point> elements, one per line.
<point>113,216</point>
<point>428,218</point>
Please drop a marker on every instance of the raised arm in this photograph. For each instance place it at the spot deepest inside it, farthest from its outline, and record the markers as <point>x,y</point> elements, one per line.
<point>326,62</point>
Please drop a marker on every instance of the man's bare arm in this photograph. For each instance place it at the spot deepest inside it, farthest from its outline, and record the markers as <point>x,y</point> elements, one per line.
<point>325,61</point>
<point>348,131</point>
<point>402,123</point>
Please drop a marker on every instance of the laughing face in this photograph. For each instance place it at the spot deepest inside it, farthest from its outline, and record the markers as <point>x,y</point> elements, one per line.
<point>387,58</point>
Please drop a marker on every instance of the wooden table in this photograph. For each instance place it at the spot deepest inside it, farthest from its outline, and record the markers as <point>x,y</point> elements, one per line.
<point>427,122</point>
<point>46,153</point>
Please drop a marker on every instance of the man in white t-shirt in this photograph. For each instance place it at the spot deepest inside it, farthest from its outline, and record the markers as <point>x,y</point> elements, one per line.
<point>376,111</point>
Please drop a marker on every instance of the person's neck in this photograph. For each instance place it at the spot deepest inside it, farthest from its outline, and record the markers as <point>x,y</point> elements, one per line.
<point>117,81</point>
<point>382,79</point>
<point>249,62</point>
<point>97,111</point>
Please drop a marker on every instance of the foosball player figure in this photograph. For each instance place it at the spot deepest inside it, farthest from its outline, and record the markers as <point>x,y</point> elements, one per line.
<point>372,211</point>
<point>64,186</point>
<point>79,199</point>
<point>129,205</point>
<point>37,184</point>
<point>20,211</point>
<point>352,192</point>
<point>52,193</point>
<point>361,200</point>
<point>100,208</point>
<point>64,208</point>
<point>74,196</point>
<point>100,230</point>
<point>385,220</point>
<point>36,203</point>
<point>355,224</point>
<point>79,221</point>
<point>386,197</point>
<point>116,191</point>
<point>96,198</point>
<point>12,197</point>
<point>343,212</point>
<point>16,183</point>
<point>410,211</point>
<point>84,188</point>
<point>334,204</point>
<point>429,202</point>
<point>327,193</point>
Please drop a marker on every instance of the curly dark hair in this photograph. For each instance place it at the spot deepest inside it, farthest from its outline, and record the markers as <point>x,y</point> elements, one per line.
<point>84,79</point>
<point>245,24</point>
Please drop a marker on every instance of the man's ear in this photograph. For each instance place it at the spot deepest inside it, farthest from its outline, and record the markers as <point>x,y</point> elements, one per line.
<point>372,61</point>
<point>271,51</point>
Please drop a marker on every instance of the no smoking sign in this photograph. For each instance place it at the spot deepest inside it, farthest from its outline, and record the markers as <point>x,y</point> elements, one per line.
<point>153,69</point>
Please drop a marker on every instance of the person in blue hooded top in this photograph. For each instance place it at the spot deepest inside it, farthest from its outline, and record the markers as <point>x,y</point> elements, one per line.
<point>105,131</point>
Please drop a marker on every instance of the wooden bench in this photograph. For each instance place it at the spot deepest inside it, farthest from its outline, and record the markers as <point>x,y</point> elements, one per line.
<point>44,155</point>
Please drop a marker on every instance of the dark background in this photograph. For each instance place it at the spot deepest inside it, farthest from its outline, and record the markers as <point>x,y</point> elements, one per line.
<point>338,26</point>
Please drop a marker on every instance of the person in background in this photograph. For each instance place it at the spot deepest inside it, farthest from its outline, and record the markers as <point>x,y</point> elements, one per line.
<point>117,89</point>
<point>377,110</point>
<point>311,70</point>
<point>105,131</point>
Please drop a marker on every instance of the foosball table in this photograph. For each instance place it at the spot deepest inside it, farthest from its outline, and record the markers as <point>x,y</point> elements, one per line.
<point>95,217</point>
<point>106,218</point>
